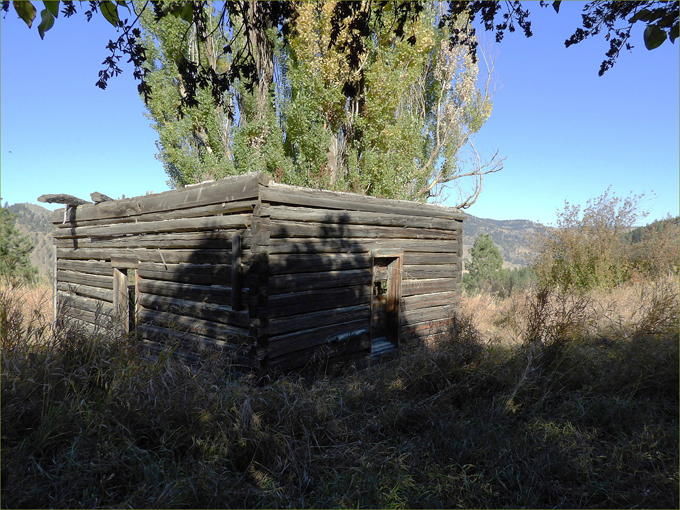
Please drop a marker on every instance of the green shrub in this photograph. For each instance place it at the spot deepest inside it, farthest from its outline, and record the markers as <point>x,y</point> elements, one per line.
<point>586,249</point>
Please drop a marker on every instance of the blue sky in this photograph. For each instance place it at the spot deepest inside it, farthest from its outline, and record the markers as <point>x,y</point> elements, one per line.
<point>566,133</point>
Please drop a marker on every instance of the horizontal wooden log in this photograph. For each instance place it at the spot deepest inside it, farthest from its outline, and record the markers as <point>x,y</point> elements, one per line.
<point>340,245</point>
<point>280,284</point>
<point>207,311</point>
<point>180,323</point>
<point>78,278</point>
<point>309,263</point>
<point>127,262</point>
<point>69,318</point>
<point>426,314</point>
<point>282,229</point>
<point>230,362</point>
<point>198,274</point>
<point>89,267</point>
<point>201,293</point>
<point>179,225</point>
<point>86,291</point>
<point>428,286</point>
<point>89,310</point>
<point>61,198</point>
<point>296,196</point>
<point>423,258</point>
<point>230,189</point>
<point>421,330</point>
<point>411,272</point>
<point>99,197</point>
<point>192,342</point>
<point>339,217</point>
<point>282,325</point>
<point>295,303</point>
<point>245,206</point>
<point>429,300</point>
<point>143,255</point>
<point>313,337</point>
<point>85,303</point>
<point>88,328</point>
<point>354,348</point>
<point>207,240</point>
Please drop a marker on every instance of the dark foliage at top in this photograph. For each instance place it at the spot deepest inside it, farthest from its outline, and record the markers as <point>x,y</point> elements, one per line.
<point>660,19</point>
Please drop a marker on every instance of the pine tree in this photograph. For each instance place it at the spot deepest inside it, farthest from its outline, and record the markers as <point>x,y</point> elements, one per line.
<point>485,264</point>
<point>15,249</point>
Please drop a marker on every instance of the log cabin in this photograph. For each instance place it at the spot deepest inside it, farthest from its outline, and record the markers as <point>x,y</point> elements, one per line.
<point>272,276</point>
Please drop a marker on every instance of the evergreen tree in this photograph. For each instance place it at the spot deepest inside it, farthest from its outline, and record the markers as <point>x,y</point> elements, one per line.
<point>15,249</point>
<point>485,264</point>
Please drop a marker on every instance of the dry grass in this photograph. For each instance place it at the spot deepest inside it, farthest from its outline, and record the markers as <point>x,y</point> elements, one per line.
<point>546,400</point>
<point>26,310</point>
<point>634,309</point>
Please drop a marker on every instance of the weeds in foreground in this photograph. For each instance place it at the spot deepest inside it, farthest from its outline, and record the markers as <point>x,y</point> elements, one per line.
<point>579,408</point>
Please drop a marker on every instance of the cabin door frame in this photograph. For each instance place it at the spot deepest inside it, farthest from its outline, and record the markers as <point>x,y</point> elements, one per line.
<point>387,269</point>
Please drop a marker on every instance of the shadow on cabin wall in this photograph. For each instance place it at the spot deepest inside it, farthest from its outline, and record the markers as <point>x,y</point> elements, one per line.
<point>308,294</point>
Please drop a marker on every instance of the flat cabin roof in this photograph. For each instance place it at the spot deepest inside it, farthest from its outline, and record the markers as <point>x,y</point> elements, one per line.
<point>250,187</point>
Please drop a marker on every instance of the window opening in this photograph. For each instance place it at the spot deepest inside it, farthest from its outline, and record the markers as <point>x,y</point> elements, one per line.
<point>125,287</point>
<point>132,299</point>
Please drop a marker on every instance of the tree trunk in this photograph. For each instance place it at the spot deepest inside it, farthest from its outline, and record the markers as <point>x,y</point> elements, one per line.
<point>263,54</point>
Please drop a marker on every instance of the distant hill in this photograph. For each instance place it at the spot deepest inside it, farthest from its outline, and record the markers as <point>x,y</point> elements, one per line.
<point>34,221</point>
<point>511,236</point>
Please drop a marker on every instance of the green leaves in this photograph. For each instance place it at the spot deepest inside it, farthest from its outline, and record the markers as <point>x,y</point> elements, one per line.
<point>47,16</point>
<point>661,24</point>
<point>26,12</point>
<point>654,37</point>
<point>47,20</point>
<point>53,7</point>
<point>184,10</point>
<point>110,12</point>
<point>642,15</point>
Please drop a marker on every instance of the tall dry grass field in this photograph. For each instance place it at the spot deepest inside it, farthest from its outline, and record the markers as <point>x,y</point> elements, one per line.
<point>547,399</point>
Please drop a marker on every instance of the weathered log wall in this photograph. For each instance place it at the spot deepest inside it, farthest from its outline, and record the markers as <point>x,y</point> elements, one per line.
<point>178,245</point>
<point>318,293</point>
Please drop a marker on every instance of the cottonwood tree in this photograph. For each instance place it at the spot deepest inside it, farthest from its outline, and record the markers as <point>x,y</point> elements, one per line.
<point>398,134</point>
<point>412,107</point>
<point>193,145</point>
<point>360,31</point>
<point>205,140</point>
